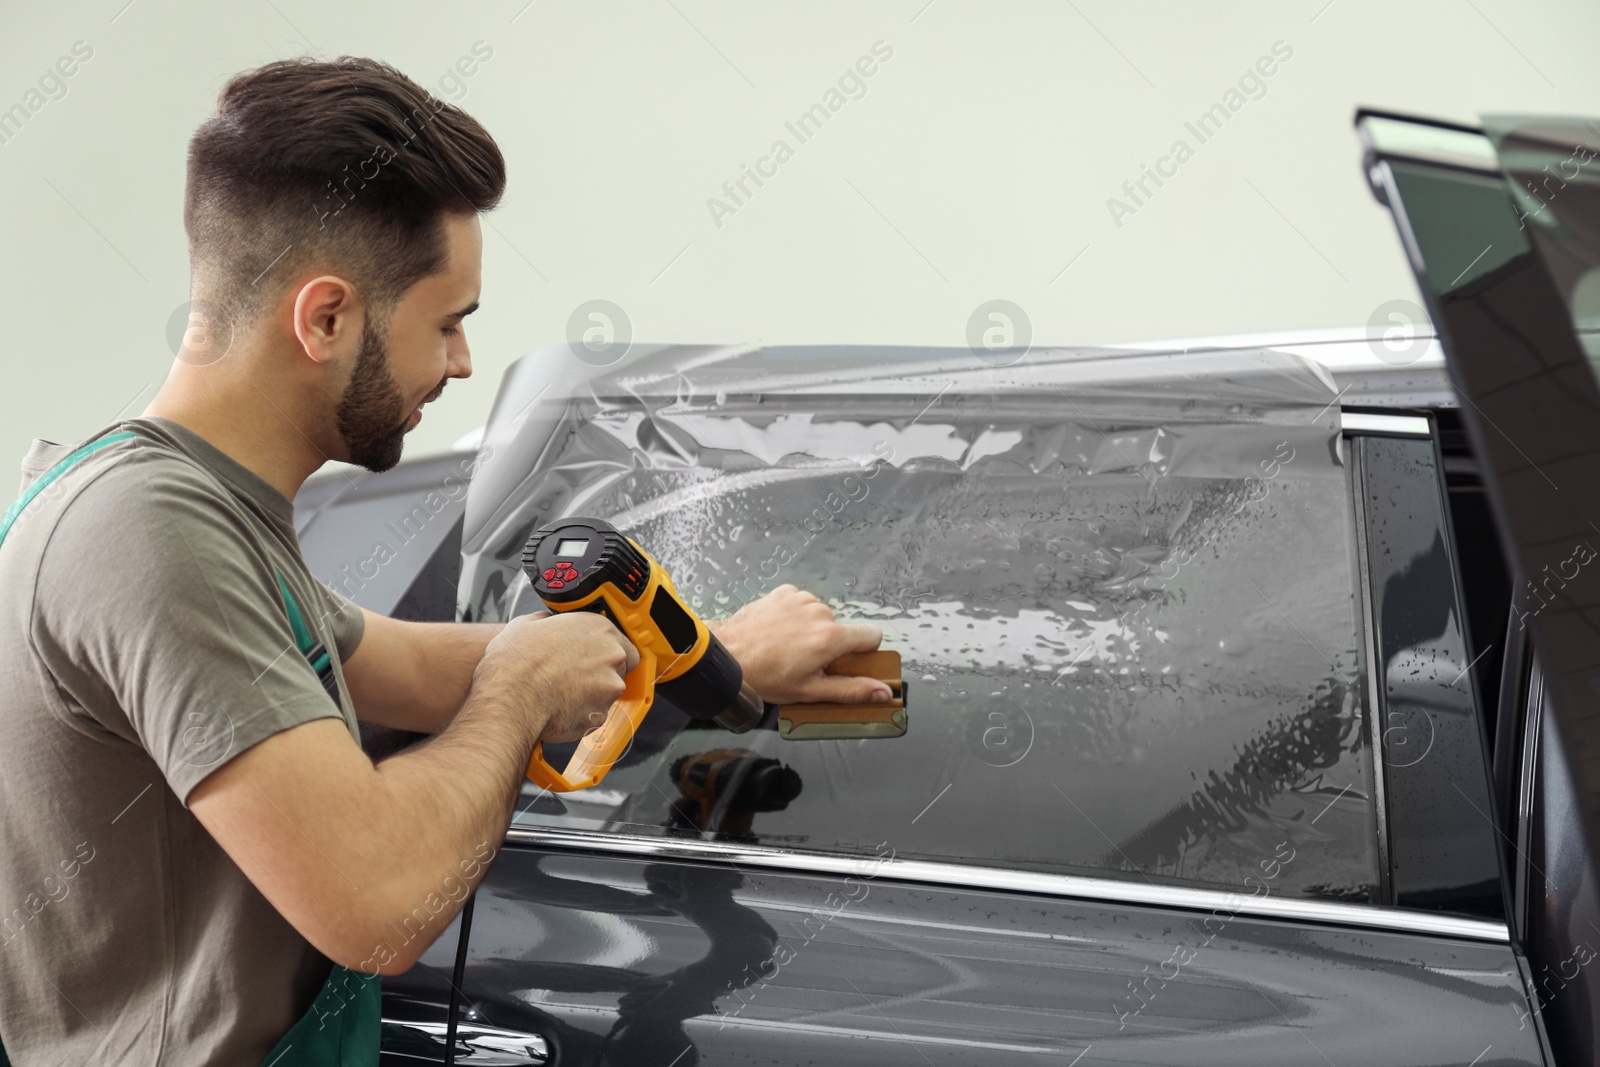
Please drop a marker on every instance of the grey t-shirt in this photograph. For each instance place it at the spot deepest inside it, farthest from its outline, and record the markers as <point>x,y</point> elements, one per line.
<point>144,643</point>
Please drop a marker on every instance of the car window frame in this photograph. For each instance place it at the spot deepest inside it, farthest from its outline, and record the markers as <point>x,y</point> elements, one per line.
<point>1405,827</point>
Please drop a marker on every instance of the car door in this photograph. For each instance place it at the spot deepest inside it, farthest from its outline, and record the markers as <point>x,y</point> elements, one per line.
<point>1502,229</point>
<point>1188,676</point>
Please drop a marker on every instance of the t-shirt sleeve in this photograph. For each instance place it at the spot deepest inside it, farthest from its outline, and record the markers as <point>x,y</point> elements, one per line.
<point>346,621</point>
<point>160,615</point>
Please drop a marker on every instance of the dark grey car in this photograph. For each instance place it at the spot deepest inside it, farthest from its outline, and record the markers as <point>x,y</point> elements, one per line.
<point>1227,744</point>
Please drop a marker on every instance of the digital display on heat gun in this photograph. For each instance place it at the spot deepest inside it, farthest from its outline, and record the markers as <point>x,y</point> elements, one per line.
<point>573,548</point>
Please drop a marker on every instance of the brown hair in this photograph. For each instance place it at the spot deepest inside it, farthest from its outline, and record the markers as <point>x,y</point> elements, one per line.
<point>346,165</point>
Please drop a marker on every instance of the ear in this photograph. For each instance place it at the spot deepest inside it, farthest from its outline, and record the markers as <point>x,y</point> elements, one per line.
<point>327,318</point>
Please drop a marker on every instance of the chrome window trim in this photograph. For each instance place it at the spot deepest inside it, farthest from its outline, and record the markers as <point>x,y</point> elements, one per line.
<point>1532,724</point>
<point>1414,139</point>
<point>1395,425</point>
<point>962,876</point>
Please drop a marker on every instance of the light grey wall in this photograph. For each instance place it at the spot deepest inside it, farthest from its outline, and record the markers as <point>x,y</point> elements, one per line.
<point>977,164</point>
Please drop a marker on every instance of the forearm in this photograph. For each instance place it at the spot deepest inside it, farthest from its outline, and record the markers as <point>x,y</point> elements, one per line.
<point>371,862</point>
<point>450,797</point>
<point>415,675</point>
<point>445,805</point>
<point>451,651</point>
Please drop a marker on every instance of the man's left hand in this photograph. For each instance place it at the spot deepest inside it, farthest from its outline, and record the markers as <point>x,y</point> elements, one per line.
<point>785,639</point>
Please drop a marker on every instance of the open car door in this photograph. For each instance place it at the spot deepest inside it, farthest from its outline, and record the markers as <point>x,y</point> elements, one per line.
<point>1502,228</point>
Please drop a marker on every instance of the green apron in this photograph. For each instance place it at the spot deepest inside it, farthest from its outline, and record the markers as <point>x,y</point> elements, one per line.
<point>341,1029</point>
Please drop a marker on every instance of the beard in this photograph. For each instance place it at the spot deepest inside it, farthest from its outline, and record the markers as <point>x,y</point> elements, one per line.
<point>372,414</point>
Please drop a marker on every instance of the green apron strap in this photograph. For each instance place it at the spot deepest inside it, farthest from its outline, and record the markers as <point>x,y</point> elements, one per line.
<point>309,646</point>
<point>342,1028</point>
<point>297,622</point>
<point>52,474</point>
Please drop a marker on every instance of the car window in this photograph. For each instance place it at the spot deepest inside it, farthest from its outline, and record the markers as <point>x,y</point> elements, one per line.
<point>1123,590</point>
<point>1549,165</point>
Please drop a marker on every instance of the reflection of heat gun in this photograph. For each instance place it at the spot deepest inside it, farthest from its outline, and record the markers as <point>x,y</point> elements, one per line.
<point>729,786</point>
<point>588,565</point>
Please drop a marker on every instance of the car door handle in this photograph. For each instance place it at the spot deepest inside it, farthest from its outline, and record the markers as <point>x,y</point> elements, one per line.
<point>476,1045</point>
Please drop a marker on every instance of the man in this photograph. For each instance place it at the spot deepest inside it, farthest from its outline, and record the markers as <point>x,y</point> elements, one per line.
<point>193,838</point>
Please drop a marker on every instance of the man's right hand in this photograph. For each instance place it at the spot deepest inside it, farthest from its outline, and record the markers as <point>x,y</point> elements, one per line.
<point>561,672</point>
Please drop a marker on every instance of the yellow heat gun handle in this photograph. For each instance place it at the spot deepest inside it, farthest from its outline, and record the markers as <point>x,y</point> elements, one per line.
<point>603,745</point>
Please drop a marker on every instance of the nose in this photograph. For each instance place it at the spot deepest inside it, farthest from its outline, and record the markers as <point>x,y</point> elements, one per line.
<point>458,359</point>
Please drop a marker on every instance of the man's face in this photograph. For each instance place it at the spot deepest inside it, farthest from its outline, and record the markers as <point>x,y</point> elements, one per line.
<point>404,362</point>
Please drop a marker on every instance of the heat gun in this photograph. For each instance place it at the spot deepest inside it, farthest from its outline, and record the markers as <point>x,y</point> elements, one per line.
<point>583,564</point>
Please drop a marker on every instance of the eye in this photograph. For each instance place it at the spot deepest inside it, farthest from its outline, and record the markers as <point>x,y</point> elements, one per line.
<point>451,331</point>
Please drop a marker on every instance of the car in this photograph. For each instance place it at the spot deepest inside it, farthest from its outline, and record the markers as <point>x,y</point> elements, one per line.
<point>1227,739</point>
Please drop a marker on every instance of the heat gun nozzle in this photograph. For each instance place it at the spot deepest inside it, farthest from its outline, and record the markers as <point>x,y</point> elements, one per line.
<point>746,711</point>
